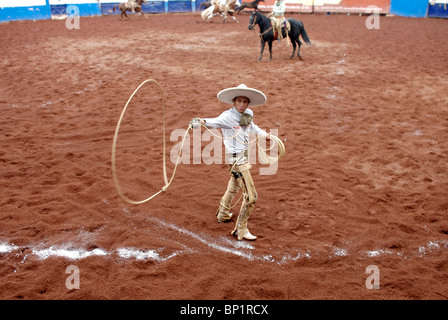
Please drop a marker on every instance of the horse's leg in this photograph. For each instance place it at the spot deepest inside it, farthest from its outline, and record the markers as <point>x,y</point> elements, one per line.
<point>124,14</point>
<point>232,14</point>
<point>270,49</point>
<point>204,15</point>
<point>298,49</point>
<point>141,11</point>
<point>263,43</point>
<point>212,12</point>
<point>293,41</point>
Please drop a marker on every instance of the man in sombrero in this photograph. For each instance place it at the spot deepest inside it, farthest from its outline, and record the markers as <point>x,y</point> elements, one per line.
<point>236,125</point>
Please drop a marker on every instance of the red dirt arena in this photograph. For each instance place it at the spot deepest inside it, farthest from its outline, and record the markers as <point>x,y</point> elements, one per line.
<point>357,208</point>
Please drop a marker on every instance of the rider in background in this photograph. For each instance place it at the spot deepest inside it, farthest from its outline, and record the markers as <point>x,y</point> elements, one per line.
<point>131,4</point>
<point>220,3</point>
<point>278,12</point>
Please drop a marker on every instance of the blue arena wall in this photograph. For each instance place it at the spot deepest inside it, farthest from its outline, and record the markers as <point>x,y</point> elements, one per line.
<point>150,7</point>
<point>406,8</point>
<point>438,9</point>
<point>179,6</point>
<point>160,6</point>
<point>85,7</point>
<point>11,10</point>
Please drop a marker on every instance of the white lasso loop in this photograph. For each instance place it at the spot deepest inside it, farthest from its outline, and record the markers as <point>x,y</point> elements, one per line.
<point>114,148</point>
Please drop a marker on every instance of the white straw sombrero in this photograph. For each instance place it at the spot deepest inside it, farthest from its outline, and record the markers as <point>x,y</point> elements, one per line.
<point>255,96</point>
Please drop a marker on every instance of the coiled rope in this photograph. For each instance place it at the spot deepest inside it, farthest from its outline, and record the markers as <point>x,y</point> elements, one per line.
<point>267,159</point>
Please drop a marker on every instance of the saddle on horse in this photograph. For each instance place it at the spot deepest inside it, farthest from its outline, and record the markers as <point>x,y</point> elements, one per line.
<point>277,25</point>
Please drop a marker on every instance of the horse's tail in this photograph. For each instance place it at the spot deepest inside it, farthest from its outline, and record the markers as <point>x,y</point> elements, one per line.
<point>305,35</point>
<point>114,8</point>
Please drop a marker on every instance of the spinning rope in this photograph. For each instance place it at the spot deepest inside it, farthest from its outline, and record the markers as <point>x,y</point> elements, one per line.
<point>267,159</point>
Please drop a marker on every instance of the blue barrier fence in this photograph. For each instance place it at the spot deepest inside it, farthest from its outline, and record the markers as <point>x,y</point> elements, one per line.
<point>438,9</point>
<point>159,6</point>
<point>85,9</point>
<point>11,10</point>
<point>406,8</point>
<point>24,10</point>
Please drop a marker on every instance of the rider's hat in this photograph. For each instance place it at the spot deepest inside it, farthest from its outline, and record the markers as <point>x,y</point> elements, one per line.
<point>255,96</point>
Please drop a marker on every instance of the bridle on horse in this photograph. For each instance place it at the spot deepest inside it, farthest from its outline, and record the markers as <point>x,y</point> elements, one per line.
<point>255,22</point>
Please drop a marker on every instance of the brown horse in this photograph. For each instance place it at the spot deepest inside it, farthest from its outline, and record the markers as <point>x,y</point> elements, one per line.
<point>215,9</point>
<point>205,5</point>
<point>124,7</point>
<point>249,5</point>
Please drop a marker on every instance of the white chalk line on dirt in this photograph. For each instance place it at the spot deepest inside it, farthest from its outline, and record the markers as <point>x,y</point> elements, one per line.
<point>69,252</point>
<point>239,248</point>
<point>209,243</point>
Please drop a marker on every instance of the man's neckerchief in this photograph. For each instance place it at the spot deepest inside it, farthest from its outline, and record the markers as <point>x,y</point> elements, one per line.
<point>245,120</point>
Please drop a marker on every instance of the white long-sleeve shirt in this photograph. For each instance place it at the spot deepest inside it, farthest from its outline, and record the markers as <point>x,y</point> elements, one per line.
<point>229,123</point>
<point>279,8</point>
